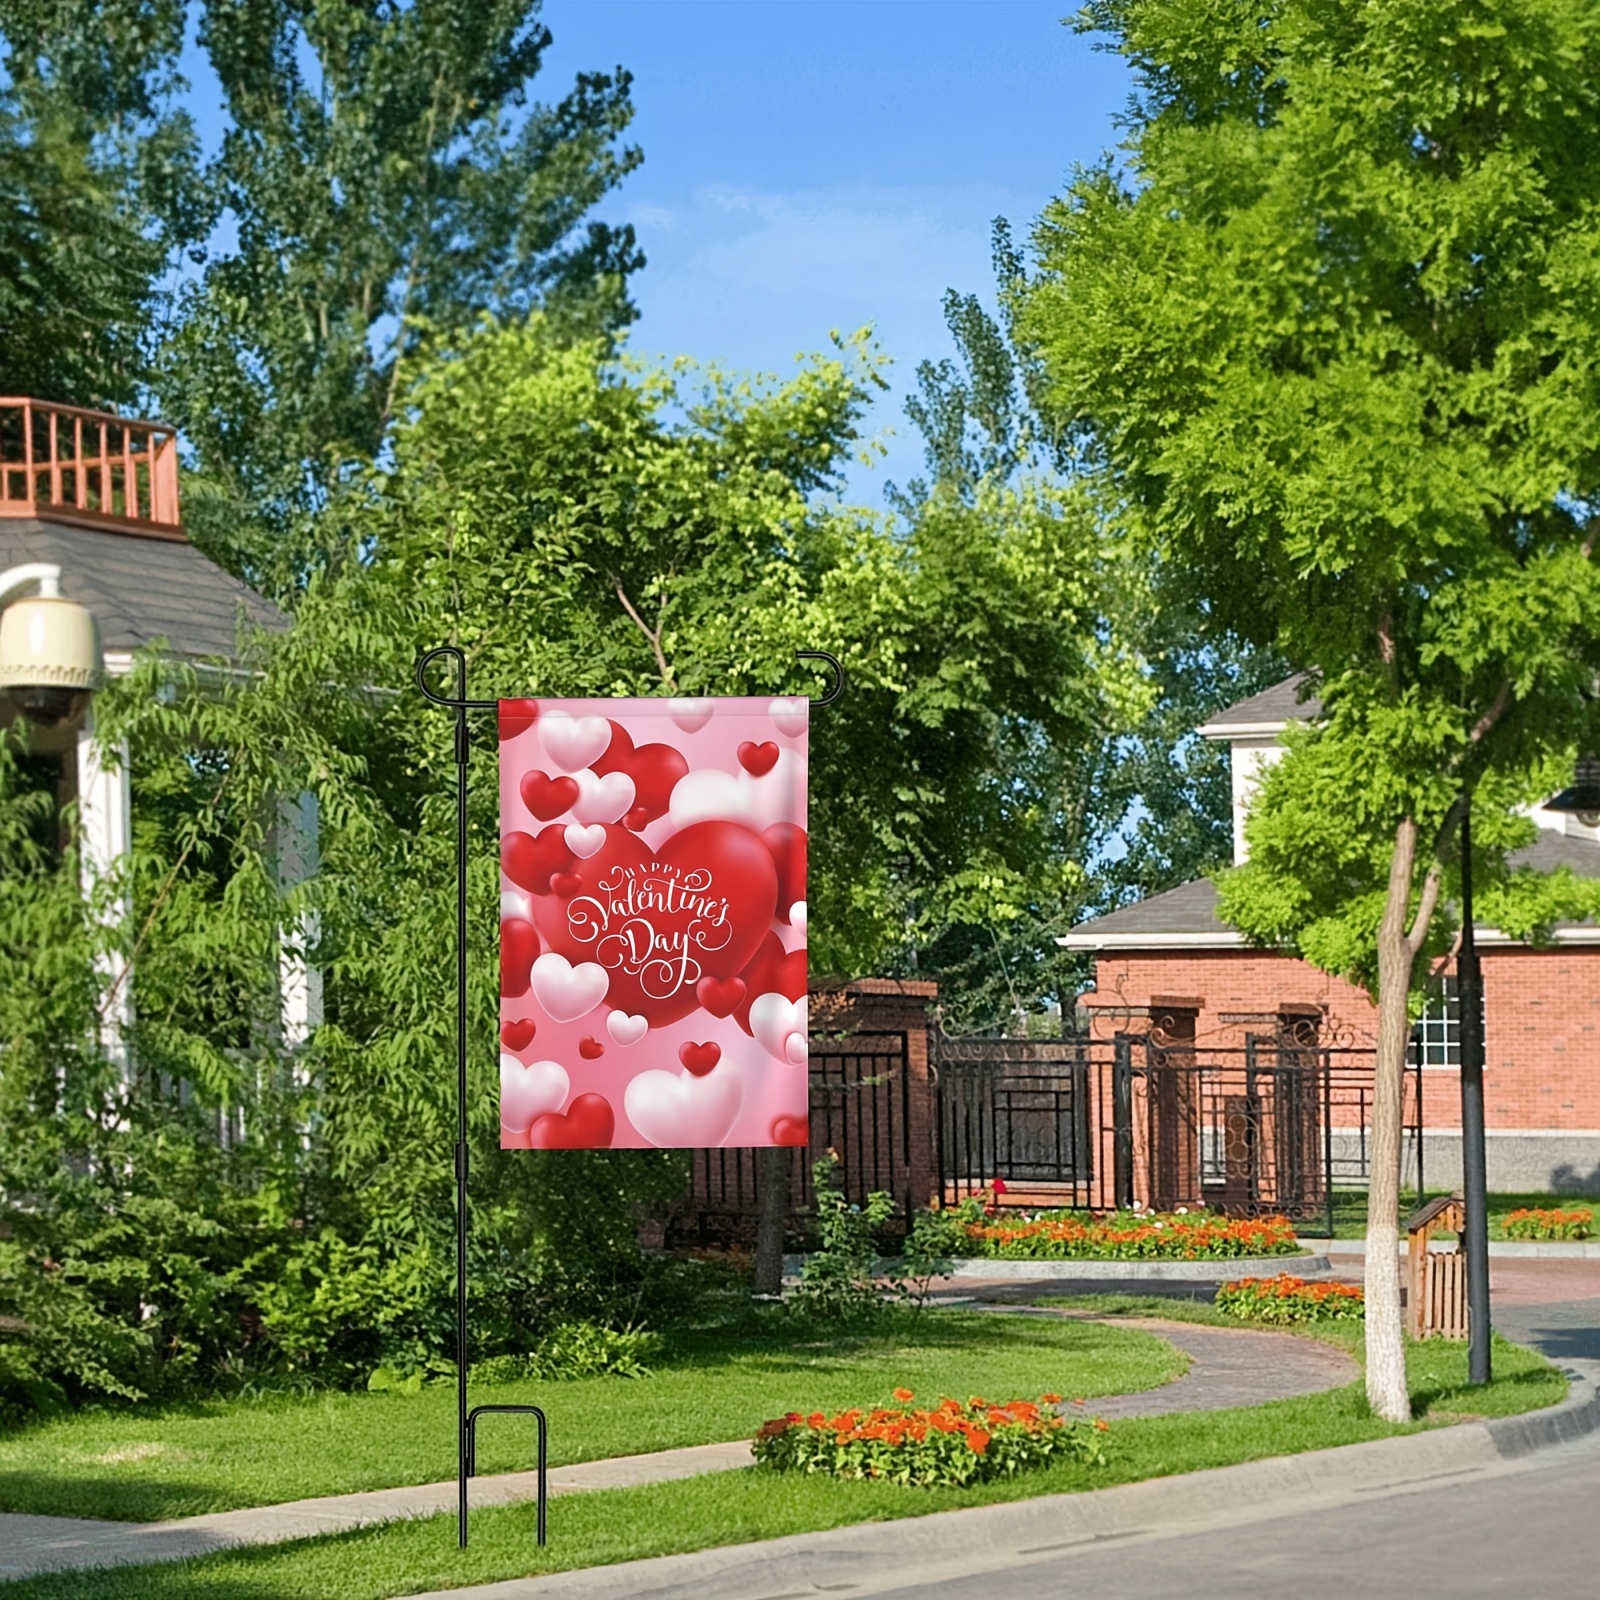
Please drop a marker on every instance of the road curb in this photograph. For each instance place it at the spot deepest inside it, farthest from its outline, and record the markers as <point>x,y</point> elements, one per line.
<point>949,1543</point>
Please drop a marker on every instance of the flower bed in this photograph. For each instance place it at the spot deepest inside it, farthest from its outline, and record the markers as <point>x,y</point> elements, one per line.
<point>1538,1223</point>
<point>948,1444</point>
<point>1129,1236</point>
<point>1286,1298</point>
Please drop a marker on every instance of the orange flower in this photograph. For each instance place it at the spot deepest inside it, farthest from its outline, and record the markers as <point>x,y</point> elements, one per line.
<point>978,1440</point>
<point>904,1394</point>
<point>1051,1399</point>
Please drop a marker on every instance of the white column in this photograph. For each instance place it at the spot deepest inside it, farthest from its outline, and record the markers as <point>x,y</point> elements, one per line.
<point>105,827</point>
<point>299,983</point>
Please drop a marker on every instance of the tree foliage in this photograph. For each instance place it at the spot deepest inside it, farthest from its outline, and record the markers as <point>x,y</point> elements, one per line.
<point>383,172</point>
<point>1134,805</point>
<point>1330,333</point>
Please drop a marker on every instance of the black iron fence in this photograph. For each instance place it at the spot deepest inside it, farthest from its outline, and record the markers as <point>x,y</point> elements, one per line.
<point>1272,1125</point>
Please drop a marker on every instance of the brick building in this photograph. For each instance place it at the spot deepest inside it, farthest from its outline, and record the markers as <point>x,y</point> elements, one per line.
<point>1169,966</point>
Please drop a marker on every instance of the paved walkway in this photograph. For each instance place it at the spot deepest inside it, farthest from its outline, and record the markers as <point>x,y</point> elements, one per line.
<point>1227,1368</point>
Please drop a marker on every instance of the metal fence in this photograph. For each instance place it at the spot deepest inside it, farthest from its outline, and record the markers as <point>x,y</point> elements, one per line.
<point>1272,1125</point>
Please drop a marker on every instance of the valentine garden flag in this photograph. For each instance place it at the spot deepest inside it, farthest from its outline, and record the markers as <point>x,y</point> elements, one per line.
<point>652,923</point>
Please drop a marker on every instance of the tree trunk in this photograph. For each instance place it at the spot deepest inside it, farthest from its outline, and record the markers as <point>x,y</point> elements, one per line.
<point>772,1217</point>
<point>1386,1358</point>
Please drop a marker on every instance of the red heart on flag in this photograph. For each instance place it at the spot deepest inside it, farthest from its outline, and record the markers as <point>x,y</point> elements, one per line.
<point>565,884</point>
<point>654,768</point>
<point>587,1124</point>
<point>788,846</point>
<point>720,996</point>
<point>758,759</point>
<point>699,1059</point>
<point>518,1035</point>
<point>517,716</point>
<point>591,1049</point>
<point>519,949</point>
<point>529,861</point>
<point>547,797</point>
<point>666,922</point>
<point>772,971</point>
<point>787,1130</point>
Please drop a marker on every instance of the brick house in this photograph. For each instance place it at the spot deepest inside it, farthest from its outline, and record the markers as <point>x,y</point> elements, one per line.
<point>1170,963</point>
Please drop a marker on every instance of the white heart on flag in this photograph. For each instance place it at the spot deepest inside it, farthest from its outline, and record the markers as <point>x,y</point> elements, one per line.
<point>713,796</point>
<point>515,907</point>
<point>529,1091</point>
<point>626,1030</point>
<point>584,842</point>
<point>573,742</point>
<point>774,1020</point>
<point>602,799</point>
<point>568,992</point>
<point>690,714</point>
<point>677,1111</point>
<point>797,916</point>
<point>791,715</point>
<point>796,1050</point>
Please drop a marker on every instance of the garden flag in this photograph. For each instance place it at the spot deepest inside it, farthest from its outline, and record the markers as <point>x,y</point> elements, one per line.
<point>652,923</point>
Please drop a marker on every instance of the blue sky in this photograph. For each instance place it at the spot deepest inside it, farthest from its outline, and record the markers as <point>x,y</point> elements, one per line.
<point>817,164</point>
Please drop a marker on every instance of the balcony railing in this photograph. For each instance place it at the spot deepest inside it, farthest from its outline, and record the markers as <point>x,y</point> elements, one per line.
<point>71,465</point>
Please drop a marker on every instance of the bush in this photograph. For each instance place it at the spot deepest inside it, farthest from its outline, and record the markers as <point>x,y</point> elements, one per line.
<point>1128,1236</point>
<point>1538,1223</point>
<point>1286,1298</point>
<point>576,1350</point>
<point>950,1444</point>
<point>838,1282</point>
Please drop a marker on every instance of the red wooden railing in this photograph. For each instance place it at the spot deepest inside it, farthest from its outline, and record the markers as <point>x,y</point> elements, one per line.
<point>93,467</point>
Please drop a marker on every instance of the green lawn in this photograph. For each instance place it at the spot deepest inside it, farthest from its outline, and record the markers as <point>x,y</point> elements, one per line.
<point>1350,1212</point>
<point>143,1464</point>
<point>732,1507</point>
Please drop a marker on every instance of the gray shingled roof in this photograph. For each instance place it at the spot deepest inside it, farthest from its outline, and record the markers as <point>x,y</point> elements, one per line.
<point>1280,703</point>
<point>141,589</point>
<point>1190,910</point>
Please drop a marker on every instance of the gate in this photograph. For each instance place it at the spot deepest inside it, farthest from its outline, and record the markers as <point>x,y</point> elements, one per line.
<point>1016,1109</point>
<point>1266,1127</point>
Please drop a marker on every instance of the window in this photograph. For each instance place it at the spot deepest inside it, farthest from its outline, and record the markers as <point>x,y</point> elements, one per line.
<point>1436,1038</point>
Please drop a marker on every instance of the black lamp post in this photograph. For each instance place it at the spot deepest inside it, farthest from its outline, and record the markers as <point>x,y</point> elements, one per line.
<point>1474,1165</point>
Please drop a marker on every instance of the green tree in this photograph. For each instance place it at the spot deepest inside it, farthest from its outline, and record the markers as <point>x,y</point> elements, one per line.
<point>1139,804</point>
<point>383,173</point>
<point>97,187</point>
<point>1329,333</point>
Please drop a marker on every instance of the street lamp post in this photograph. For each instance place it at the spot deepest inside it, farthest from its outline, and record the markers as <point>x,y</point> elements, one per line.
<point>1474,1166</point>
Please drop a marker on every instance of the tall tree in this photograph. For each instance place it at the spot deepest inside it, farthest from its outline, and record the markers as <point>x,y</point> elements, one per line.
<point>98,185</point>
<point>383,175</point>
<point>1140,804</point>
<point>1330,333</point>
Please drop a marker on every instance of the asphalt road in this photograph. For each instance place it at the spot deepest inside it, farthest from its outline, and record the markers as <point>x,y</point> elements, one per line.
<point>1529,1533</point>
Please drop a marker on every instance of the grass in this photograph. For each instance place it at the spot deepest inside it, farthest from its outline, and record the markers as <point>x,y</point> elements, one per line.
<point>734,1507</point>
<point>715,1383</point>
<point>1350,1212</point>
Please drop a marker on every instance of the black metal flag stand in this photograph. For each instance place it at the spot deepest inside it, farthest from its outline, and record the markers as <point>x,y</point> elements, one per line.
<point>467,1420</point>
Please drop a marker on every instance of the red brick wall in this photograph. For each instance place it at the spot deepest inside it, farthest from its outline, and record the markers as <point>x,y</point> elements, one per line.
<point>1542,1009</point>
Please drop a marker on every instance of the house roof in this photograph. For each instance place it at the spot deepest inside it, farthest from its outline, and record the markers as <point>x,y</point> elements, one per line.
<point>1186,917</point>
<point>1266,712</point>
<point>142,589</point>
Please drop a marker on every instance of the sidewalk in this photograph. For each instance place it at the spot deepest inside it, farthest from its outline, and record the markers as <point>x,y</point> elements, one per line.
<point>1227,1368</point>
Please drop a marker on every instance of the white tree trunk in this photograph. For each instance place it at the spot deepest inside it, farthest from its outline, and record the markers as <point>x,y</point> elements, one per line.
<point>1386,1357</point>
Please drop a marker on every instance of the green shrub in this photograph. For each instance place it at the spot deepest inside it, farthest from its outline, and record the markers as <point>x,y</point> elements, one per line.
<point>576,1350</point>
